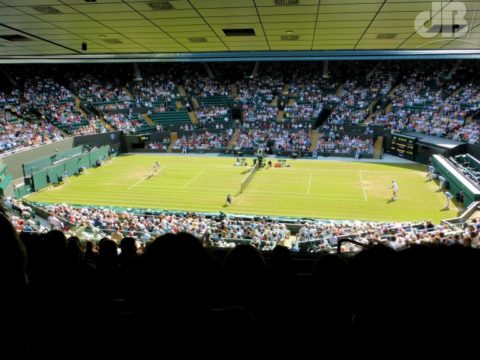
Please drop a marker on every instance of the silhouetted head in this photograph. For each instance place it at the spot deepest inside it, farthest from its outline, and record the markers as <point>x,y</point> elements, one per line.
<point>128,246</point>
<point>74,249</point>
<point>55,245</point>
<point>280,260</point>
<point>175,253</point>
<point>107,249</point>
<point>244,262</point>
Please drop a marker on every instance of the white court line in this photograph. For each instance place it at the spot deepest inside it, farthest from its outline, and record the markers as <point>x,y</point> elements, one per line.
<point>193,179</point>
<point>309,184</point>
<point>138,182</point>
<point>361,184</point>
<point>143,179</point>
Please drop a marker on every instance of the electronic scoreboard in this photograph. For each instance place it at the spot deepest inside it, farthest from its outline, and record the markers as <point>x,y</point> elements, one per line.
<point>403,146</point>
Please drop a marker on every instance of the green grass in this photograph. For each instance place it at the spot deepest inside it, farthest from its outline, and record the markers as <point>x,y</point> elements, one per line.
<point>320,189</point>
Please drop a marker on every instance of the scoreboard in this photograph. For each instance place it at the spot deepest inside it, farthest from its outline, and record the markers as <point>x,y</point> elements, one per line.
<point>403,146</point>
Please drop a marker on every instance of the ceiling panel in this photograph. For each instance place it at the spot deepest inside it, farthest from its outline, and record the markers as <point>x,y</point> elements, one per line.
<point>33,11</point>
<point>144,5</point>
<point>149,42</point>
<point>271,2</point>
<point>302,25</point>
<point>125,15</point>
<point>346,18</point>
<point>8,11</point>
<point>34,26</point>
<point>212,4</point>
<point>77,24</point>
<point>292,29</point>
<point>334,2</point>
<point>63,17</point>
<point>80,2</point>
<point>337,37</point>
<point>288,18</point>
<point>232,20</point>
<point>99,8</point>
<point>228,12</point>
<point>159,35</point>
<point>320,25</point>
<point>30,2</point>
<point>16,19</point>
<point>287,10</point>
<point>177,14</point>
<point>257,28</point>
<point>186,22</point>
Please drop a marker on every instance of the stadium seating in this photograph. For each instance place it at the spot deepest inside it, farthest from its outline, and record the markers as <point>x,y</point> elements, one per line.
<point>394,95</point>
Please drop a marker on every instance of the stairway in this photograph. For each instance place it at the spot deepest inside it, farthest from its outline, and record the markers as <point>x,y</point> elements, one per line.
<point>285,89</point>
<point>371,111</point>
<point>193,117</point>
<point>368,119</point>
<point>234,90</point>
<point>148,119</point>
<point>195,103</point>
<point>391,95</point>
<point>291,102</point>
<point>87,116</point>
<point>314,139</point>
<point>77,103</point>
<point>181,90</point>
<point>280,116</point>
<point>373,70</point>
<point>377,148</point>
<point>127,92</point>
<point>339,90</point>
<point>457,91</point>
<point>173,138</point>
<point>255,69</point>
<point>209,71</point>
<point>372,106</point>
<point>179,105</point>
<point>233,139</point>
<point>105,123</point>
<point>274,101</point>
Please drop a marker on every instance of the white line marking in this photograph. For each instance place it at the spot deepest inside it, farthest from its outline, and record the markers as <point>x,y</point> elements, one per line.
<point>309,184</point>
<point>144,178</point>
<point>138,182</point>
<point>361,184</point>
<point>193,179</point>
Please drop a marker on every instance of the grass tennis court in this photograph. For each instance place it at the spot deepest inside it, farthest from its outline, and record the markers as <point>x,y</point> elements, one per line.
<point>320,189</point>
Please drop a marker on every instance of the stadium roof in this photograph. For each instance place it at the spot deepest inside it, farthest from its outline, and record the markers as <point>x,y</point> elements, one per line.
<point>59,27</point>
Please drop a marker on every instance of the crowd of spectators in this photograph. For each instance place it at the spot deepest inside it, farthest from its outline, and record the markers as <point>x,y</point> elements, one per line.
<point>337,144</point>
<point>326,235</point>
<point>20,130</point>
<point>274,137</point>
<point>438,100</point>
<point>203,141</point>
<point>263,233</point>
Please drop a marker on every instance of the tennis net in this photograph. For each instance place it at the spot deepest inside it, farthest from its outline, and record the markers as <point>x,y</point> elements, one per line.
<point>249,177</point>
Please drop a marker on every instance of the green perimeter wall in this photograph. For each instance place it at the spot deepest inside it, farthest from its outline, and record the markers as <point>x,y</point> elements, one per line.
<point>53,174</point>
<point>15,161</point>
<point>454,184</point>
